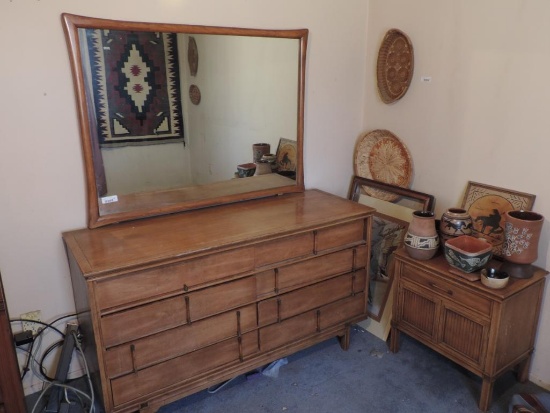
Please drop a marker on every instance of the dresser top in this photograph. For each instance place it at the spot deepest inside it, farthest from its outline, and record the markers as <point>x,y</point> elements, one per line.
<point>194,233</point>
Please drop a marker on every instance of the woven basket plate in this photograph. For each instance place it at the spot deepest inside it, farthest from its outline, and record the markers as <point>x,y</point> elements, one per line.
<point>395,66</point>
<point>380,155</point>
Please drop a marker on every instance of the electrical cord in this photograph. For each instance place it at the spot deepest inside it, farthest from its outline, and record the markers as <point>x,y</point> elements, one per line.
<point>79,347</point>
<point>43,358</point>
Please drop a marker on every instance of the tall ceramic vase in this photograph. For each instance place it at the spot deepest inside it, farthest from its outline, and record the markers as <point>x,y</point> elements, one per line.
<point>521,236</point>
<point>421,239</point>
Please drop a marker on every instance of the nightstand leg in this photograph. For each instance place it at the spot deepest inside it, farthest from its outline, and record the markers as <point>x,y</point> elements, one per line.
<point>523,369</point>
<point>486,393</point>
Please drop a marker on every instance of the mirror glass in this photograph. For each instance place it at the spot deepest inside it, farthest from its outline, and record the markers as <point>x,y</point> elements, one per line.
<point>179,117</point>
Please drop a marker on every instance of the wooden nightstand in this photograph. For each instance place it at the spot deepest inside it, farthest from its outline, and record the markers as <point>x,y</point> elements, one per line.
<point>485,331</point>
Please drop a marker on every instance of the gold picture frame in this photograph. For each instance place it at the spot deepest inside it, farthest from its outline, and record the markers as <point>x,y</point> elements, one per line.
<point>487,204</point>
<point>390,223</point>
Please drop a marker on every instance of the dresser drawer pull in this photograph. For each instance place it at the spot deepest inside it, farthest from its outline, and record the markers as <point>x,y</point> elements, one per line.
<point>187,310</point>
<point>436,287</point>
<point>354,260</point>
<point>318,321</point>
<point>353,278</point>
<point>315,242</point>
<point>133,352</point>
<point>185,287</point>
<point>239,336</point>
<point>276,281</point>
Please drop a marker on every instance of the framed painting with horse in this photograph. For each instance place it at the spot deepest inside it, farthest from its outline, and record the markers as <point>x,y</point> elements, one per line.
<point>487,204</point>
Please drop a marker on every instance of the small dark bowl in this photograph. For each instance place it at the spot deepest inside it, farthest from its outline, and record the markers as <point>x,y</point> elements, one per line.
<point>246,169</point>
<point>493,278</point>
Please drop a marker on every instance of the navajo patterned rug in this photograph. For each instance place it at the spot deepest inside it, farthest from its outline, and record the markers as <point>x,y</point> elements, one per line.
<point>135,79</point>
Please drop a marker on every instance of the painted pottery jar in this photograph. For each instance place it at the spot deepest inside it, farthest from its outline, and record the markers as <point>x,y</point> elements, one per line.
<point>521,236</point>
<point>421,239</point>
<point>454,223</point>
<point>259,150</point>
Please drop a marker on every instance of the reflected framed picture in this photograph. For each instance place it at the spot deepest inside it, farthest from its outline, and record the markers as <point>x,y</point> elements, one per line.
<point>286,155</point>
<point>390,223</point>
<point>487,204</point>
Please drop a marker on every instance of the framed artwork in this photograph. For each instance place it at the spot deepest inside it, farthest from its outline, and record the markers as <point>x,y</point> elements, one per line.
<point>390,223</point>
<point>487,204</point>
<point>286,155</point>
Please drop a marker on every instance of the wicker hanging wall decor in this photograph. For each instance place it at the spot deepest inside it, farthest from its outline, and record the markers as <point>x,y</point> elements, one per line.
<point>395,66</point>
<point>382,156</point>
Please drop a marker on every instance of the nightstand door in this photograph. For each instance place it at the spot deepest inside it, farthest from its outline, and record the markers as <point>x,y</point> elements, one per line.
<point>460,334</point>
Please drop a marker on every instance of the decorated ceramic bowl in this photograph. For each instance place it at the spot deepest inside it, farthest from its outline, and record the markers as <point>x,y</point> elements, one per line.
<point>246,169</point>
<point>467,253</point>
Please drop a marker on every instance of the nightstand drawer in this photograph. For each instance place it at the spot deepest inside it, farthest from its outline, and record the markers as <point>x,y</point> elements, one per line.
<point>167,279</point>
<point>443,288</point>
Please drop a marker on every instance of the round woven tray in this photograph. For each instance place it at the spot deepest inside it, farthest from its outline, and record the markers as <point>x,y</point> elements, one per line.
<point>395,66</point>
<point>382,156</point>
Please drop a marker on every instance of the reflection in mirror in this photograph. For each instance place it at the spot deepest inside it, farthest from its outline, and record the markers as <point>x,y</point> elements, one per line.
<point>168,112</point>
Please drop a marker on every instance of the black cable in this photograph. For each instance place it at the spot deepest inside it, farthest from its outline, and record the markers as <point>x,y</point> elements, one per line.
<point>43,358</point>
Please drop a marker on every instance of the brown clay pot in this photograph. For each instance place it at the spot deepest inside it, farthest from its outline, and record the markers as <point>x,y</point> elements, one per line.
<point>521,236</point>
<point>259,150</point>
<point>421,239</point>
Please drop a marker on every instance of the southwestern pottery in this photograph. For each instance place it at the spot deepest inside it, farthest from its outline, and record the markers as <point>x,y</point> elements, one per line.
<point>468,253</point>
<point>521,236</point>
<point>421,239</point>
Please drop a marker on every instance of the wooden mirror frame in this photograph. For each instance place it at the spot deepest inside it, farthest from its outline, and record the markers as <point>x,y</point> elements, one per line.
<point>146,204</point>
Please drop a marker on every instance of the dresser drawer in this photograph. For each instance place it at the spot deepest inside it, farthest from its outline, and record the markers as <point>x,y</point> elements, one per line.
<point>145,320</point>
<point>319,268</point>
<point>298,301</point>
<point>340,236</point>
<point>160,347</point>
<point>177,370</point>
<point>284,249</point>
<point>307,324</point>
<point>349,309</point>
<point>189,274</point>
<point>443,288</point>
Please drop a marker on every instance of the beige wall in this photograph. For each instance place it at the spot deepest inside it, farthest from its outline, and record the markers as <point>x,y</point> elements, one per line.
<point>41,170</point>
<point>484,116</point>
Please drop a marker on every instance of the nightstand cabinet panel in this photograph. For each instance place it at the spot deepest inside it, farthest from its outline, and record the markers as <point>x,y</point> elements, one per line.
<point>485,331</point>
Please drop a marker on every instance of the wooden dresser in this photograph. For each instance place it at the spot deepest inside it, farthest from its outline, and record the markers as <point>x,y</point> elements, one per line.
<point>486,331</point>
<point>11,389</point>
<point>174,304</point>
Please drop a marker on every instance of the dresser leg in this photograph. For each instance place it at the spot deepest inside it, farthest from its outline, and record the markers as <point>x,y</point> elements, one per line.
<point>344,340</point>
<point>394,340</point>
<point>486,393</point>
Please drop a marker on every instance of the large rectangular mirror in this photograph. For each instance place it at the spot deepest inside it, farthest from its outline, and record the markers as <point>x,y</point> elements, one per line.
<point>167,112</point>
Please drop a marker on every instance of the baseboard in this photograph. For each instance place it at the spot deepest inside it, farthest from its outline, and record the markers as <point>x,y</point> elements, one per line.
<point>539,382</point>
